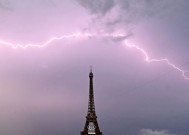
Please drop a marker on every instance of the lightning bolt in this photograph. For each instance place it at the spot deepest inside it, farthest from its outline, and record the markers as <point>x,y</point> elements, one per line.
<point>49,41</point>
<point>80,35</point>
<point>147,59</point>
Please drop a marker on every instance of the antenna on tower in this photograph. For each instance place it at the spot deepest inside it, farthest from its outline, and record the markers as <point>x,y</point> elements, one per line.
<point>90,68</point>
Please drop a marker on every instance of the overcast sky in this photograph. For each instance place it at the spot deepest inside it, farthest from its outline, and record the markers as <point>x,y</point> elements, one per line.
<point>44,91</point>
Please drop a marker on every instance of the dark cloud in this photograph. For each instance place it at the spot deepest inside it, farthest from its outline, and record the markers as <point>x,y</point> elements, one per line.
<point>5,5</point>
<point>98,6</point>
<point>112,15</point>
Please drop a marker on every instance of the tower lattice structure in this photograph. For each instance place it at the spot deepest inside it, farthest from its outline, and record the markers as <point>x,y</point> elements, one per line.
<point>91,124</point>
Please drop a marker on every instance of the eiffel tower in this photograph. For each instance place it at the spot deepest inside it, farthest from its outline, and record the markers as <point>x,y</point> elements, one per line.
<point>91,125</point>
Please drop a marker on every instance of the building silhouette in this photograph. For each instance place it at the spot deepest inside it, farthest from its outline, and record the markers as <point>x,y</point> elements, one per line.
<point>91,125</point>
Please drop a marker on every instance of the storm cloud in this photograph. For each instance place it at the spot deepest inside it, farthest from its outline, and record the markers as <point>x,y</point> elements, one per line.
<point>44,91</point>
<point>113,15</point>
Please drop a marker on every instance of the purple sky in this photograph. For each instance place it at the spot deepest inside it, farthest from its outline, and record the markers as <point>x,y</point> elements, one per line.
<point>44,91</point>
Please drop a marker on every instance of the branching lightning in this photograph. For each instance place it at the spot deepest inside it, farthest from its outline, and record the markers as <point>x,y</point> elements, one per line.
<point>80,35</point>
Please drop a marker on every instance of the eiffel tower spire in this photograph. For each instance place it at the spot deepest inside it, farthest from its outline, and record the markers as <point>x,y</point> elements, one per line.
<point>91,124</point>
